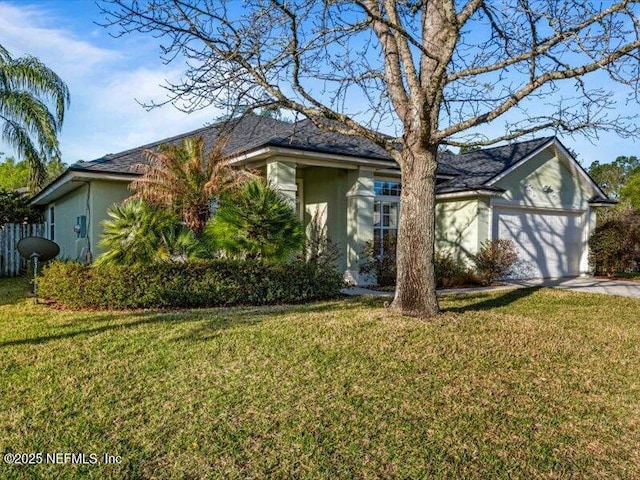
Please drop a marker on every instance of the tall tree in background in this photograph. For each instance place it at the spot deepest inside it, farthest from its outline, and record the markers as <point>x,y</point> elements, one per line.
<point>15,175</point>
<point>435,69</point>
<point>614,175</point>
<point>27,88</point>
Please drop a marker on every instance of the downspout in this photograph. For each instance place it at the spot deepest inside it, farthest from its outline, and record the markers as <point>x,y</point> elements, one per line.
<point>89,255</point>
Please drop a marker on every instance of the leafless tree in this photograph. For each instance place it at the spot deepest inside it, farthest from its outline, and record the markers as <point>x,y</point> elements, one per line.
<point>435,69</point>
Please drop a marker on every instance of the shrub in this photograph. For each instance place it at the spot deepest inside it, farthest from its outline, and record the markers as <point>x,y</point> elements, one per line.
<point>615,245</point>
<point>256,222</point>
<point>196,284</point>
<point>185,180</point>
<point>318,248</point>
<point>382,265</point>
<point>494,259</point>
<point>452,273</point>
<point>137,233</point>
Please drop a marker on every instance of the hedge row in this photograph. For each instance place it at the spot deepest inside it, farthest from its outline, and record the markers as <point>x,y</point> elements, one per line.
<point>203,284</point>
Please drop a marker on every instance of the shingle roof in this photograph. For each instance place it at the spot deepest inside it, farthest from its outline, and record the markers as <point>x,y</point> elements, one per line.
<point>475,169</point>
<point>244,134</point>
<point>469,171</point>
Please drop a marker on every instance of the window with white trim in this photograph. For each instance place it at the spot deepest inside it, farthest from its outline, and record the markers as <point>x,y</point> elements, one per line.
<point>386,210</point>
<point>387,189</point>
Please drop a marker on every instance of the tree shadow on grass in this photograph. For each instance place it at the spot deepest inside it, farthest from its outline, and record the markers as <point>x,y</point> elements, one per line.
<point>244,316</point>
<point>113,325</point>
<point>213,319</point>
<point>488,301</point>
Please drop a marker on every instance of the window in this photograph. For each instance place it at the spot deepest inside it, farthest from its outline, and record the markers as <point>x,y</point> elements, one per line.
<point>52,223</point>
<point>386,209</point>
<point>387,189</point>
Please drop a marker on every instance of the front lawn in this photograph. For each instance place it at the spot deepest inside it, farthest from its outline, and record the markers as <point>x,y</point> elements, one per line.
<point>529,384</point>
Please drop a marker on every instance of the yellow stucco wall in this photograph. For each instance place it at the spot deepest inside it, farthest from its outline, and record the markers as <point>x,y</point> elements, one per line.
<point>545,181</point>
<point>103,195</point>
<point>457,226</point>
<point>67,209</point>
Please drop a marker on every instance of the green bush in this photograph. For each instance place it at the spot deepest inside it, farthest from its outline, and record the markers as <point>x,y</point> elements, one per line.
<point>15,208</point>
<point>615,245</point>
<point>256,222</point>
<point>196,284</point>
<point>494,259</point>
<point>452,273</point>
<point>382,266</point>
<point>137,233</point>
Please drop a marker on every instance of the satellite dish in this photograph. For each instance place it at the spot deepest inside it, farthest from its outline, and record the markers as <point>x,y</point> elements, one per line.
<point>37,249</point>
<point>30,247</point>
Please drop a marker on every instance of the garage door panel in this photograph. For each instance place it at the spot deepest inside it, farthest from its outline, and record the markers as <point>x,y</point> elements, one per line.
<point>548,243</point>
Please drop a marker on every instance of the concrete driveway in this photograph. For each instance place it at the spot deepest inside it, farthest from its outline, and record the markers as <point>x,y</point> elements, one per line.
<point>621,288</point>
<point>605,286</point>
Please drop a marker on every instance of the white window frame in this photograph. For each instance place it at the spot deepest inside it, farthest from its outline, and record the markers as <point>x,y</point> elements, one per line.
<point>380,201</point>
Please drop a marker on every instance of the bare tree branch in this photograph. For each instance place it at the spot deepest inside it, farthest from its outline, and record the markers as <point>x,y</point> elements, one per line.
<point>535,84</point>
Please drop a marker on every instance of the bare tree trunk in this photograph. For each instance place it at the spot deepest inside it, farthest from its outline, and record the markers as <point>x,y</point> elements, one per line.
<point>415,285</point>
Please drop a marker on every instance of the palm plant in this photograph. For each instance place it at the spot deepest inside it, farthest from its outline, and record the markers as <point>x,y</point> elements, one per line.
<point>27,86</point>
<point>256,222</point>
<point>185,180</point>
<point>139,234</point>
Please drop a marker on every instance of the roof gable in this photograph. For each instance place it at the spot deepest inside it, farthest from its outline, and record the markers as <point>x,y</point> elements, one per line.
<point>565,158</point>
<point>478,168</point>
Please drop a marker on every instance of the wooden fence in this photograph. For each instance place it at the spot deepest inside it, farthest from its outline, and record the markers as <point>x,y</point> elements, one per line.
<point>11,263</point>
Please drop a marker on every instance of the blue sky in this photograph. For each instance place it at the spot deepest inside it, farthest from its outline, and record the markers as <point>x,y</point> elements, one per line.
<point>108,76</point>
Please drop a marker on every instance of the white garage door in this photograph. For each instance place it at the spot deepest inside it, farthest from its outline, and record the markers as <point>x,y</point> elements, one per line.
<point>549,244</point>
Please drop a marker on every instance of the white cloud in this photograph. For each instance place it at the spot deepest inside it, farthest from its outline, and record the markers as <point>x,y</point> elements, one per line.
<point>28,30</point>
<point>121,122</point>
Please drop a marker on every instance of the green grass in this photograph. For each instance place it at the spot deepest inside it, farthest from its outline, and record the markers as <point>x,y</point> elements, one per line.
<point>522,384</point>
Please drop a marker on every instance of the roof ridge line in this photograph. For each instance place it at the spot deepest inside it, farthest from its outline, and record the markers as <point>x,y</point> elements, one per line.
<point>547,138</point>
<point>191,133</point>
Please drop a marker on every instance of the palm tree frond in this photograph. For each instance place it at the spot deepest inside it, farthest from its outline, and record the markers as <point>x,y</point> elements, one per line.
<point>14,134</point>
<point>27,88</point>
<point>186,180</point>
<point>24,108</point>
<point>28,73</point>
<point>256,222</point>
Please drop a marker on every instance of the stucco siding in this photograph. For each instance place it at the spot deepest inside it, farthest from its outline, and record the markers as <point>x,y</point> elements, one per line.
<point>91,200</point>
<point>103,195</point>
<point>457,227</point>
<point>66,211</point>
<point>546,204</point>
<point>545,181</point>
<point>325,192</point>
